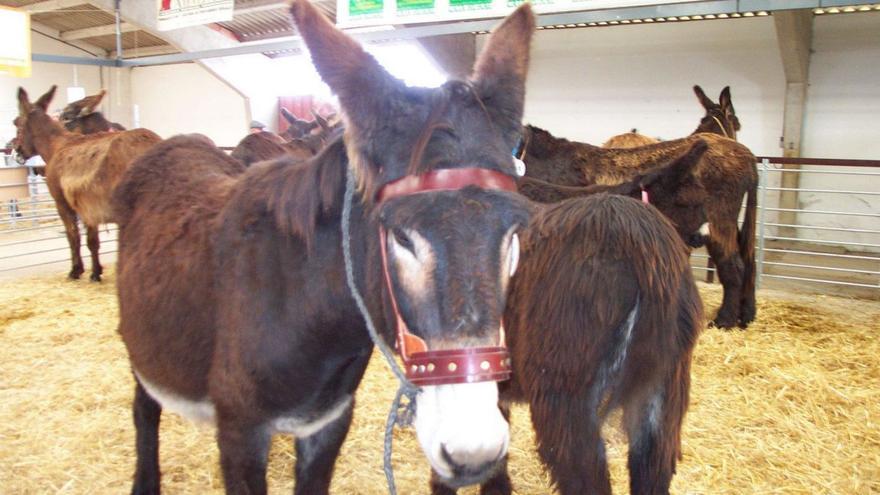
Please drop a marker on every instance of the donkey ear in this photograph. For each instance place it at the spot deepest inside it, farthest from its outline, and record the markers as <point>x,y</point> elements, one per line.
<point>724,99</point>
<point>289,117</point>
<point>500,71</point>
<point>24,104</point>
<point>91,102</point>
<point>704,100</point>
<point>320,120</point>
<point>361,84</point>
<point>46,99</point>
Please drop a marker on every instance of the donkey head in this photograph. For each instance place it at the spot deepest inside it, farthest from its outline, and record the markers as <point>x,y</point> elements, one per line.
<point>81,108</point>
<point>31,118</point>
<point>720,117</point>
<point>677,192</point>
<point>297,128</point>
<point>435,168</point>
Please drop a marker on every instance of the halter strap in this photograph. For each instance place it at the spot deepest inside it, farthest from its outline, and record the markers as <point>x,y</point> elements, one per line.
<point>440,367</point>
<point>718,121</point>
<point>446,179</point>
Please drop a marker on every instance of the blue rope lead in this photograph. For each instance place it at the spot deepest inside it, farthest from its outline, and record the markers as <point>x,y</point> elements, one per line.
<point>401,414</point>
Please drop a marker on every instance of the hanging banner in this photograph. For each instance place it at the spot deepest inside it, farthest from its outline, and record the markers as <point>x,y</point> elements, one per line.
<point>367,13</point>
<point>15,42</point>
<point>174,14</point>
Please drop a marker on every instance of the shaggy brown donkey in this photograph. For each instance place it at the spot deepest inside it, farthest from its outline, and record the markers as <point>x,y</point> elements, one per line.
<point>727,171</point>
<point>671,188</point>
<point>720,118</point>
<point>603,313</point>
<point>80,116</point>
<point>234,306</point>
<point>81,170</point>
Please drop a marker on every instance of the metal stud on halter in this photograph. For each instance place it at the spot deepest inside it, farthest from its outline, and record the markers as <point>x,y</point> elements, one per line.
<point>465,365</point>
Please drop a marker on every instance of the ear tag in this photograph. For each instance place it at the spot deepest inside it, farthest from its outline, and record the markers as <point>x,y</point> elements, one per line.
<point>520,166</point>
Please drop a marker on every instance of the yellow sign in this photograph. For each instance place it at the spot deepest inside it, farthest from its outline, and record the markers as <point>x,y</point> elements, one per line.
<point>15,42</point>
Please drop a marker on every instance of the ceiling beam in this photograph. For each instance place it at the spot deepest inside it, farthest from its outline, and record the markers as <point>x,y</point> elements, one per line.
<point>54,33</point>
<point>50,5</point>
<point>146,51</point>
<point>94,32</point>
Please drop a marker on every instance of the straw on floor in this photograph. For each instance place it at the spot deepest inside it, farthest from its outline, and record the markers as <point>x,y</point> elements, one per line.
<point>789,406</point>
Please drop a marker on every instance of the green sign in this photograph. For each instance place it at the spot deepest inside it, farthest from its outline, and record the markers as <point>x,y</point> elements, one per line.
<point>358,8</point>
<point>415,6</point>
<point>459,5</point>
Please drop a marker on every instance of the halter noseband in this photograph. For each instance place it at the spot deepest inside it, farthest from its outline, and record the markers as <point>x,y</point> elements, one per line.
<point>441,367</point>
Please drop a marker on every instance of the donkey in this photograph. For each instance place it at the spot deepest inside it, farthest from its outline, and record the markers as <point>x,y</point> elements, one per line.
<point>81,117</point>
<point>264,145</point>
<point>727,171</point>
<point>81,171</point>
<point>235,308</point>
<point>603,313</point>
<point>672,188</point>
<point>720,118</point>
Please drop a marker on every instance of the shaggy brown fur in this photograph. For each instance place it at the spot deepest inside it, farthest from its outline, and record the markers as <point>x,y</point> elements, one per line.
<point>631,139</point>
<point>672,188</point>
<point>727,170</point>
<point>603,313</point>
<point>81,171</point>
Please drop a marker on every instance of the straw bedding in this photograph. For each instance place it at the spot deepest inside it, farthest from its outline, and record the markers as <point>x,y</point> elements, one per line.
<point>790,406</point>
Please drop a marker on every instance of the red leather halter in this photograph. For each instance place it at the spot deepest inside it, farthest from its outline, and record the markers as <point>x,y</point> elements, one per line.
<point>441,367</point>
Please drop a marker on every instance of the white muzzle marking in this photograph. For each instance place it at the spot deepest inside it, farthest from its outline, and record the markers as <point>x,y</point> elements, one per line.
<point>464,420</point>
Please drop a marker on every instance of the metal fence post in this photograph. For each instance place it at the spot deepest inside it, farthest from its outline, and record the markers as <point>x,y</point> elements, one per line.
<point>762,202</point>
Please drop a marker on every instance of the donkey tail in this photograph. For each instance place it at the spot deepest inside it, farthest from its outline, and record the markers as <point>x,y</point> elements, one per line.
<point>746,239</point>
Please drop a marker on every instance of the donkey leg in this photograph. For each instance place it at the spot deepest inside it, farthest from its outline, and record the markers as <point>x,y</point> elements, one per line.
<point>94,243</point>
<point>316,455</point>
<point>653,425</point>
<point>244,453</point>
<point>147,413</point>
<point>730,273</point>
<point>570,443</point>
<point>71,228</point>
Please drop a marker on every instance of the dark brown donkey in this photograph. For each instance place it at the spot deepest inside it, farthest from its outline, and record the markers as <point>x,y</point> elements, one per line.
<point>81,171</point>
<point>81,116</point>
<point>671,188</point>
<point>603,313</point>
<point>232,283</point>
<point>720,118</point>
<point>727,171</point>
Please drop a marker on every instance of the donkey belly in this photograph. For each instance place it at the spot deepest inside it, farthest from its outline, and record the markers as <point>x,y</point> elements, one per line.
<point>300,424</point>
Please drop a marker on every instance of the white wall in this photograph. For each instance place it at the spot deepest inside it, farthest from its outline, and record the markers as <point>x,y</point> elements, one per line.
<point>843,107</point>
<point>185,98</point>
<point>590,84</point>
<point>43,76</point>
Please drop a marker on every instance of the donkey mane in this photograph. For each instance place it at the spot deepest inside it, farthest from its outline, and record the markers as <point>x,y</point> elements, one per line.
<point>294,193</point>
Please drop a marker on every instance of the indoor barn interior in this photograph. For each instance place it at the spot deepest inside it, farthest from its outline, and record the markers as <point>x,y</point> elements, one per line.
<point>439,246</point>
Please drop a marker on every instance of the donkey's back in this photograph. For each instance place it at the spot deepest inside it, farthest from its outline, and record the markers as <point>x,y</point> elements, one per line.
<point>166,206</point>
<point>603,313</point>
<point>90,167</point>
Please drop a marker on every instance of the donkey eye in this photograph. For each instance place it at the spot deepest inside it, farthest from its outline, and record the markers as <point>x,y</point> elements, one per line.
<point>401,239</point>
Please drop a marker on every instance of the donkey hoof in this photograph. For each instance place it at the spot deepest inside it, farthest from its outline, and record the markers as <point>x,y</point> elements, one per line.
<point>95,277</point>
<point>723,322</point>
<point>74,274</point>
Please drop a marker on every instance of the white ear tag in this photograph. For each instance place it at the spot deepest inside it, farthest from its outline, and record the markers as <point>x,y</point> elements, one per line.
<point>519,166</point>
